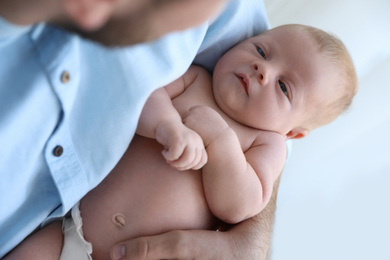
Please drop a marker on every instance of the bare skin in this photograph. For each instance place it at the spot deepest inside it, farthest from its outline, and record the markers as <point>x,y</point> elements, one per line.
<point>46,244</point>
<point>262,93</point>
<point>152,197</point>
<point>144,195</point>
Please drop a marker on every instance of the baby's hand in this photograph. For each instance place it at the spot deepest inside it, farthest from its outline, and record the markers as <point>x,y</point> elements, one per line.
<point>184,148</point>
<point>206,122</point>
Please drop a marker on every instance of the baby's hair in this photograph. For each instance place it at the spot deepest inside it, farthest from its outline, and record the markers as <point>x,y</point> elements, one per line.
<point>336,53</point>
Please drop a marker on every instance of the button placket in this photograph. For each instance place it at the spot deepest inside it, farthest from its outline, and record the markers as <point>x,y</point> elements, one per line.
<point>65,78</point>
<point>58,151</point>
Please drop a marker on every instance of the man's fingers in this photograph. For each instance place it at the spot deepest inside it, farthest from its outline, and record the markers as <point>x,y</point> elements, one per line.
<point>170,245</point>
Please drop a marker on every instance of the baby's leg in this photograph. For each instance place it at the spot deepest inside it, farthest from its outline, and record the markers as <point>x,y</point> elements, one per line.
<point>45,244</point>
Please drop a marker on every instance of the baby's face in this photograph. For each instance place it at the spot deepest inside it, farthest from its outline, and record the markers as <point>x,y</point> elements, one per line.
<point>274,80</point>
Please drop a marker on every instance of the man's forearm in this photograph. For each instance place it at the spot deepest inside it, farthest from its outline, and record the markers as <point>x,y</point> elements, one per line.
<point>259,229</point>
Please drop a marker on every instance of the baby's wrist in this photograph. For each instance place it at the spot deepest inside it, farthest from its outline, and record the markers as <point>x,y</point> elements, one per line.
<point>222,137</point>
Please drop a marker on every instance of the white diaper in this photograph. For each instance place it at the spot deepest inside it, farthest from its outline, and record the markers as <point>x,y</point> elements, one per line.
<point>75,247</point>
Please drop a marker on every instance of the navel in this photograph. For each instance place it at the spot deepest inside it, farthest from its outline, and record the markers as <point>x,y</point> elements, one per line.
<point>119,220</point>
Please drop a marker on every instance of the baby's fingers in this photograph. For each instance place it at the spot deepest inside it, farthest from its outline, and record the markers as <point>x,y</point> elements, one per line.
<point>174,152</point>
<point>192,158</point>
<point>201,161</point>
<point>185,161</point>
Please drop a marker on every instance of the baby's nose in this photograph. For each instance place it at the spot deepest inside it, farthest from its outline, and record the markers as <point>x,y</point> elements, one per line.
<point>259,72</point>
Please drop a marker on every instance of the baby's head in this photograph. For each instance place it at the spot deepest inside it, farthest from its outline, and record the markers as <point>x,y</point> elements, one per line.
<point>346,83</point>
<point>291,80</point>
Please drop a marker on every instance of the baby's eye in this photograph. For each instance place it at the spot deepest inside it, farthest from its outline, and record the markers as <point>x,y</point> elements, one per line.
<point>283,88</point>
<point>261,52</point>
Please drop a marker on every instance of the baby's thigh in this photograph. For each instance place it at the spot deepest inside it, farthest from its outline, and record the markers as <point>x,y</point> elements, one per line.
<point>45,244</point>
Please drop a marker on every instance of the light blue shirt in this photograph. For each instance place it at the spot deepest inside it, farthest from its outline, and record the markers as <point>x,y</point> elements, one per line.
<point>91,114</point>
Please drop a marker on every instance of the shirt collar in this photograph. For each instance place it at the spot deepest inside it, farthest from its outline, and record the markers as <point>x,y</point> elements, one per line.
<point>8,29</point>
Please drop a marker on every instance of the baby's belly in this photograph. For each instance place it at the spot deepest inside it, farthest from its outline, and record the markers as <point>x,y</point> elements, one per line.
<point>142,196</point>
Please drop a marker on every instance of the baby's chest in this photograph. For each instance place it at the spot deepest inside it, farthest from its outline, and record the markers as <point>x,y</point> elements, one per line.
<point>194,96</point>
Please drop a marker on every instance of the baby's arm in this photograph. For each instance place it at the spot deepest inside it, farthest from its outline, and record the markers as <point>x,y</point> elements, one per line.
<point>45,244</point>
<point>237,185</point>
<point>159,119</point>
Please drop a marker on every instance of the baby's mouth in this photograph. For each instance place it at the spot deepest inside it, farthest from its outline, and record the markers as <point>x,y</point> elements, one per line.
<point>244,81</point>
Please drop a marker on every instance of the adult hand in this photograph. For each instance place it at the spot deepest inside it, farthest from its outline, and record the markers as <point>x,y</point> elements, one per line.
<point>194,244</point>
<point>250,240</point>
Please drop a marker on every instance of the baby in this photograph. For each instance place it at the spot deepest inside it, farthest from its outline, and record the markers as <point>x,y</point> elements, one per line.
<point>223,141</point>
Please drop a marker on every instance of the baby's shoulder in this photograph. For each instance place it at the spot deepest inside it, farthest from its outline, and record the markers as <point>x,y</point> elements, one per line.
<point>195,74</point>
<point>198,81</point>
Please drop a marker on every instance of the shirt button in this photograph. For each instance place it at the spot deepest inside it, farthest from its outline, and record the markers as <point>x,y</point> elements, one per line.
<point>65,77</point>
<point>58,151</point>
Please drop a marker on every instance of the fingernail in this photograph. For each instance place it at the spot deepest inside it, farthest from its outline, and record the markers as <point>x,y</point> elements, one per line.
<point>119,252</point>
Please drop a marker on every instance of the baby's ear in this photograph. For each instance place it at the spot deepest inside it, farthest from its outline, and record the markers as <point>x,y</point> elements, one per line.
<point>297,133</point>
<point>89,15</point>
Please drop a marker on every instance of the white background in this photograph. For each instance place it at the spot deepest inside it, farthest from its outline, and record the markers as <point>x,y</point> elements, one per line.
<point>334,198</point>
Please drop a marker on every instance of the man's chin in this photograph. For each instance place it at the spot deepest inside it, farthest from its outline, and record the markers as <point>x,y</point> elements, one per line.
<point>115,33</point>
<point>74,29</point>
